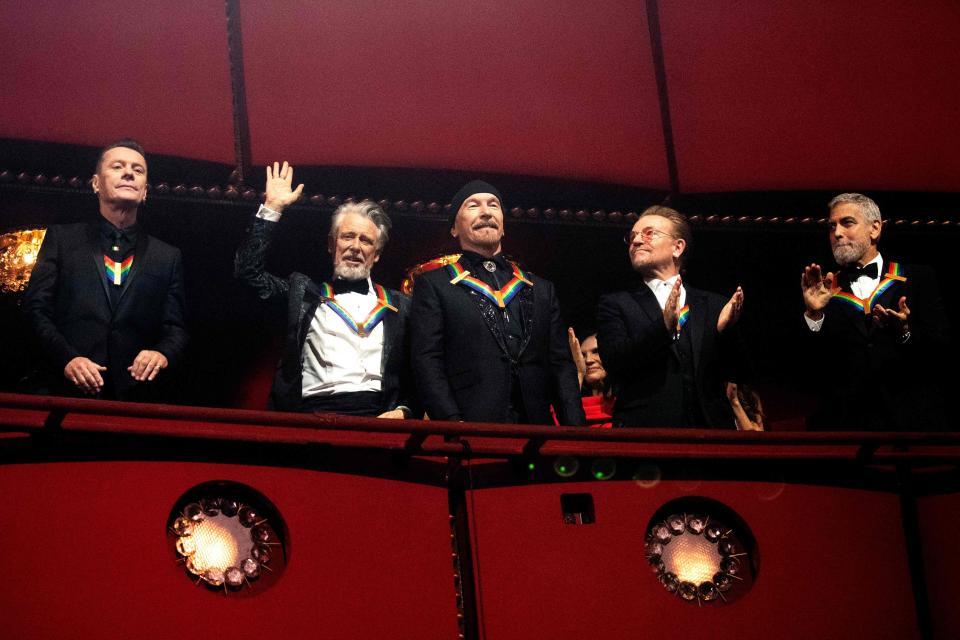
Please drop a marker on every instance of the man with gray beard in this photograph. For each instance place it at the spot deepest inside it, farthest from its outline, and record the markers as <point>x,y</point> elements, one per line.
<point>876,326</point>
<point>346,345</point>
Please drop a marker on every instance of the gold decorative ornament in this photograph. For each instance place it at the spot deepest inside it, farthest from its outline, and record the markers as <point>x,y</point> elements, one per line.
<point>407,286</point>
<point>18,255</point>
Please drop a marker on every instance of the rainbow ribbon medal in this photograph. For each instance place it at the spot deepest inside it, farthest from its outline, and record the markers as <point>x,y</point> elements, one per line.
<point>500,297</point>
<point>683,317</point>
<point>894,274</point>
<point>384,304</point>
<point>117,272</point>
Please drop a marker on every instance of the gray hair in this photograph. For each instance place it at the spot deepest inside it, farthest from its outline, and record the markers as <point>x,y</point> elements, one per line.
<point>366,209</point>
<point>867,207</point>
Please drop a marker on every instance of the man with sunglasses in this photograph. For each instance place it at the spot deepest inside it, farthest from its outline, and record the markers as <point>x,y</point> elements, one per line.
<point>669,348</point>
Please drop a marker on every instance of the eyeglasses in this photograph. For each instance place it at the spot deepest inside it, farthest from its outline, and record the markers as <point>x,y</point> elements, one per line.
<point>646,235</point>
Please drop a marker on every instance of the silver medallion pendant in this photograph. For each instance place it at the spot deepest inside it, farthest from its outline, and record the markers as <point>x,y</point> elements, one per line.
<point>490,265</point>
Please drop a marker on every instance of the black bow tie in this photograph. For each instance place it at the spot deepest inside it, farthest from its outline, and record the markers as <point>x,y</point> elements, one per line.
<point>853,271</point>
<point>347,286</point>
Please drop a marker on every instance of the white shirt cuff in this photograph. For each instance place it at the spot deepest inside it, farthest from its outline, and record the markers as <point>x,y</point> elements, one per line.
<point>268,214</point>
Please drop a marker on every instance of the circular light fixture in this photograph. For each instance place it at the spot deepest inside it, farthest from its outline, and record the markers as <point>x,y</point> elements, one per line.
<point>227,535</point>
<point>566,466</point>
<point>701,551</point>
<point>603,468</point>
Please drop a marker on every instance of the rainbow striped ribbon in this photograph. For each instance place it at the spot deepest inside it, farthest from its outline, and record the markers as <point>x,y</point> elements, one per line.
<point>384,304</point>
<point>682,317</point>
<point>894,274</point>
<point>502,296</point>
<point>117,272</point>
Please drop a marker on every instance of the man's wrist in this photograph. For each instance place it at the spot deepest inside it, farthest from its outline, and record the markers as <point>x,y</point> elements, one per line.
<point>270,213</point>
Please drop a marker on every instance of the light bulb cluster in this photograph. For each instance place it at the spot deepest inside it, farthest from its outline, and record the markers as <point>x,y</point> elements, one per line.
<point>223,542</point>
<point>694,557</point>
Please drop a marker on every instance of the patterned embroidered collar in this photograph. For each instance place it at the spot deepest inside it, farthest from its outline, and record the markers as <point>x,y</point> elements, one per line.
<point>500,297</point>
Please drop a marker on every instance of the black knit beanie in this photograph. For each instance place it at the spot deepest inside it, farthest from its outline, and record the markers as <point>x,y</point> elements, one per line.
<point>467,190</point>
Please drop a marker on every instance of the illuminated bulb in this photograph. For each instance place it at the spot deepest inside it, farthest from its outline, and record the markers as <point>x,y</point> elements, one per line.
<point>215,545</point>
<point>186,546</point>
<point>233,577</point>
<point>692,558</point>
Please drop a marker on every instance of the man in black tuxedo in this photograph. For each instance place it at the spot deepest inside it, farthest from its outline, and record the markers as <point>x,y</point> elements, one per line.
<point>488,341</point>
<point>105,299</point>
<point>875,328</point>
<point>346,348</point>
<point>669,348</point>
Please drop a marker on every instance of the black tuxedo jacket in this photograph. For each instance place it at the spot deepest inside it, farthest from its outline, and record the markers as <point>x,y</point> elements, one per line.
<point>873,379</point>
<point>462,365</point>
<point>68,305</point>
<point>303,297</point>
<point>635,348</point>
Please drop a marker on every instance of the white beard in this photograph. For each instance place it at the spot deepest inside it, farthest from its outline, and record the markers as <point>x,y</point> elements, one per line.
<point>346,272</point>
<point>849,253</point>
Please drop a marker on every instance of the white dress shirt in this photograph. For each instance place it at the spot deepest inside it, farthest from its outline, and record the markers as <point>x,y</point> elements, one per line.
<point>335,358</point>
<point>661,289</point>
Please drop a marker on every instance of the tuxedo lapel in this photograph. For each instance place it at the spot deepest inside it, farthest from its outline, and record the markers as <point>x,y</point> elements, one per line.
<point>891,297</point>
<point>309,300</point>
<point>489,315</point>
<point>140,256</point>
<point>96,253</point>
<point>527,314</point>
<point>391,335</point>
<point>648,304</point>
<point>697,323</point>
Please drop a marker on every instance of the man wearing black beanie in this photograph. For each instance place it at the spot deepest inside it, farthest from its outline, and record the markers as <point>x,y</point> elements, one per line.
<point>488,343</point>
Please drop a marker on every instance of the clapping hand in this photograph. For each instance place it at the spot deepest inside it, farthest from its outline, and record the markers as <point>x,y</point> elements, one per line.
<point>577,355</point>
<point>731,311</point>
<point>671,309</point>
<point>817,290</point>
<point>891,318</point>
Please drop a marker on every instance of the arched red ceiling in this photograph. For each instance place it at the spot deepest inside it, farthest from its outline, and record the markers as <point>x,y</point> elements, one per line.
<point>551,88</point>
<point>762,95</point>
<point>793,95</point>
<point>90,72</point>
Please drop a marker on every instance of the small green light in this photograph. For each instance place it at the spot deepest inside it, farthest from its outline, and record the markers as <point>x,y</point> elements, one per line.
<point>603,468</point>
<point>531,466</point>
<point>566,466</point>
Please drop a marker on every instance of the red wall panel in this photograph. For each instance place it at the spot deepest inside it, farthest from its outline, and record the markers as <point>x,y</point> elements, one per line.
<point>832,564</point>
<point>939,518</point>
<point>87,556</point>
